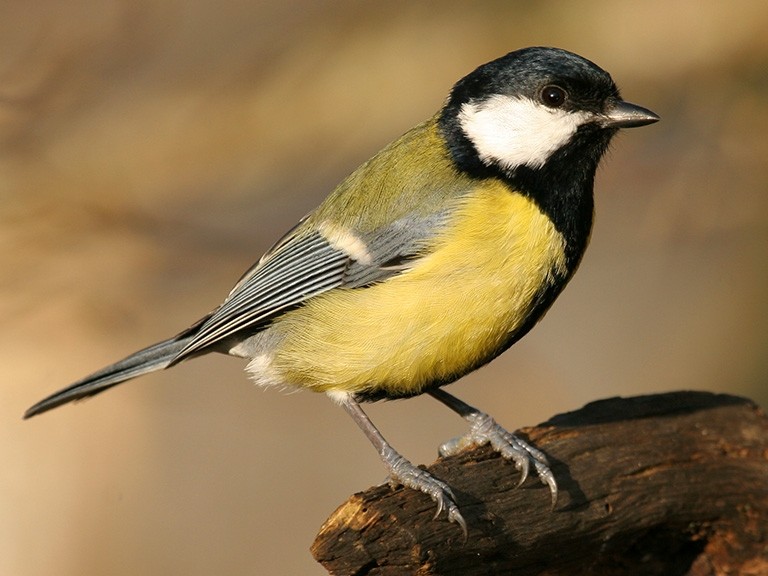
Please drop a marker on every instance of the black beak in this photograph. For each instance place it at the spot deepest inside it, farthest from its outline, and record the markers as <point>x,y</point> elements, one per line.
<point>625,115</point>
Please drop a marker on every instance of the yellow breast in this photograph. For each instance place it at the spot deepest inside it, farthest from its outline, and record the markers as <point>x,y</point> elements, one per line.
<point>453,310</point>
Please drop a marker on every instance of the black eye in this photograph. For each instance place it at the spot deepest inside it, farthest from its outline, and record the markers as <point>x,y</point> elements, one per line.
<point>553,96</point>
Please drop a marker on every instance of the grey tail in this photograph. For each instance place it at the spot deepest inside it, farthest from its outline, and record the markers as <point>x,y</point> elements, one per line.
<point>155,357</point>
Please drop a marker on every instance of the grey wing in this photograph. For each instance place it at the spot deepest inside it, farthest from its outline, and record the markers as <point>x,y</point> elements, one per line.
<point>301,266</point>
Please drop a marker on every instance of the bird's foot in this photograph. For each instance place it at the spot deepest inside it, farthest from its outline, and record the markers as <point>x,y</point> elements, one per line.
<point>403,472</point>
<point>484,430</point>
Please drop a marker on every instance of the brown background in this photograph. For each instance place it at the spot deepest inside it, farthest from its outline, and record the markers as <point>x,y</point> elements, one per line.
<point>150,151</point>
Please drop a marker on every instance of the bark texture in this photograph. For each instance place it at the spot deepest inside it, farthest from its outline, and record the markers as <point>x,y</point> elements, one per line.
<point>672,484</point>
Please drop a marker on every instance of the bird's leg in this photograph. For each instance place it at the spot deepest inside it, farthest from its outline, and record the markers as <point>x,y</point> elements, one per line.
<point>401,471</point>
<point>484,430</point>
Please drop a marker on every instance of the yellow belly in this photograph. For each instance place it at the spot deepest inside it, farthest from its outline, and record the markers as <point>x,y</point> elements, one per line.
<point>454,309</point>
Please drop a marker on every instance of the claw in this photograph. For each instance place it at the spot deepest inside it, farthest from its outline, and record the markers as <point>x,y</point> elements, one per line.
<point>440,507</point>
<point>404,473</point>
<point>456,517</point>
<point>547,478</point>
<point>485,430</point>
<point>522,464</point>
<point>401,471</point>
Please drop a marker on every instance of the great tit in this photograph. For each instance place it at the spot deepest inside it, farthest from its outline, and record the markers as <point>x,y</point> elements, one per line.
<point>427,262</point>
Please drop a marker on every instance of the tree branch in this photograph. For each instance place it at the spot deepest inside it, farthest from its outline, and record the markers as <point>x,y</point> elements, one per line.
<point>668,484</point>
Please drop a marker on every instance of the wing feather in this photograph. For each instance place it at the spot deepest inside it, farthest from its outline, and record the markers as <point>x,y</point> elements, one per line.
<point>300,268</point>
<point>304,264</point>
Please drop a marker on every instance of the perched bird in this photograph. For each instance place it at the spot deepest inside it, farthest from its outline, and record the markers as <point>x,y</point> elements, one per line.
<point>428,261</point>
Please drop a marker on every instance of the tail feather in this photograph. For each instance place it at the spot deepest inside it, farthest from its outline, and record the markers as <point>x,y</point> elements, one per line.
<point>150,359</point>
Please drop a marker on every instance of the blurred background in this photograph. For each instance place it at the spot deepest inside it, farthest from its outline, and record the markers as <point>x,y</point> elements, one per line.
<point>151,151</point>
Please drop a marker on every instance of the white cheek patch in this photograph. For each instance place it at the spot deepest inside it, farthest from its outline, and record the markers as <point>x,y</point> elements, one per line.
<point>514,132</point>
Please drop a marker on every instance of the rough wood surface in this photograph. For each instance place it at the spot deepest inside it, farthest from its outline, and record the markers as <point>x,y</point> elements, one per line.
<point>672,484</point>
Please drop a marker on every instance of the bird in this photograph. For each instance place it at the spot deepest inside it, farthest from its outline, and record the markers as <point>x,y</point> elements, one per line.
<point>426,262</point>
